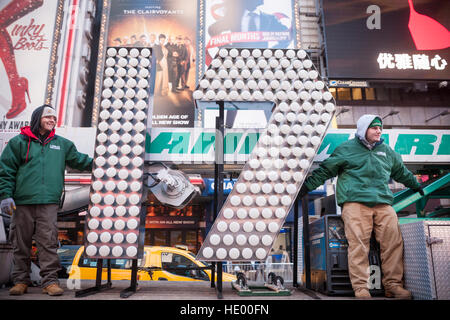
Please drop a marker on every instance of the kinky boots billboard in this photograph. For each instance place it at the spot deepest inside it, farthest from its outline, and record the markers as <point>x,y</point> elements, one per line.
<point>27,41</point>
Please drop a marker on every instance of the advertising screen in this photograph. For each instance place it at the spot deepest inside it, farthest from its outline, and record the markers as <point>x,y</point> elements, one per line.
<point>26,41</point>
<point>383,39</point>
<point>245,24</point>
<point>169,27</point>
<point>248,24</point>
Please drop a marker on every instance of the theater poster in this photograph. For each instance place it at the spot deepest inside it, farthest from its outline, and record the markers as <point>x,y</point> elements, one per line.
<point>245,24</point>
<point>170,28</point>
<point>27,41</point>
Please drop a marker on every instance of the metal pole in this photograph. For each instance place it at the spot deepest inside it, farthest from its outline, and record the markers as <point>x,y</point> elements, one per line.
<point>108,264</point>
<point>133,283</point>
<point>134,274</point>
<point>295,258</point>
<point>219,280</point>
<point>219,155</point>
<point>219,159</point>
<point>213,275</point>
<point>98,278</point>
<point>306,245</point>
<point>98,281</point>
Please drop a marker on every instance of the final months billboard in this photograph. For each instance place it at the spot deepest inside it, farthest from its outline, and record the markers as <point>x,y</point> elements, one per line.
<point>169,27</point>
<point>248,24</point>
<point>245,24</point>
<point>385,39</point>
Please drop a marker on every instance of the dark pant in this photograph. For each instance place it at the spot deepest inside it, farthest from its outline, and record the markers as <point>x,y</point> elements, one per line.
<point>36,222</point>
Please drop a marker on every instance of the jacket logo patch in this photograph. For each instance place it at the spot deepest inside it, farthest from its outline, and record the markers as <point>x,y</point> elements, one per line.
<point>52,146</point>
<point>381,153</point>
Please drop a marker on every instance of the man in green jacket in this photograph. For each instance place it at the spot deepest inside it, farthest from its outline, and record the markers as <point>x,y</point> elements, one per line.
<point>31,184</point>
<point>364,165</point>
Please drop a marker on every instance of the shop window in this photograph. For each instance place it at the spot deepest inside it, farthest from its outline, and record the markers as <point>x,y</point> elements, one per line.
<point>395,95</point>
<point>176,237</point>
<point>357,94</point>
<point>370,93</point>
<point>344,94</point>
<point>188,211</point>
<point>382,94</point>
<point>333,92</point>
<point>159,238</point>
<point>191,240</point>
<point>151,211</point>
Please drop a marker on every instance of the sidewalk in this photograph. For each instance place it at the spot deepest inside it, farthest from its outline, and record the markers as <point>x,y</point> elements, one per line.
<point>162,290</point>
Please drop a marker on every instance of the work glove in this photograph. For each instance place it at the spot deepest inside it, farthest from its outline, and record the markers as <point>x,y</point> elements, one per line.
<point>419,190</point>
<point>303,191</point>
<point>8,206</point>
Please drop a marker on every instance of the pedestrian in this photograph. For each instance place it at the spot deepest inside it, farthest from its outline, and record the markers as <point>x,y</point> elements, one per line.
<point>32,169</point>
<point>364,165</point>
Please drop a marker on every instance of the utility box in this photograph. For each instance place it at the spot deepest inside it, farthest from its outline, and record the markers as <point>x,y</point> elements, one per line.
<point>329,261</point>
<point>427,259</point>
<point>6,263</point>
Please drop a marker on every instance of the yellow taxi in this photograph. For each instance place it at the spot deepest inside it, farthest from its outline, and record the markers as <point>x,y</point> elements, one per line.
<point>157,263</point>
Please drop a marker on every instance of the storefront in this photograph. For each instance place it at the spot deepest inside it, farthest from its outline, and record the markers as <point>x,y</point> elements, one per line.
<point>171,227</point>
<point>164,226</point>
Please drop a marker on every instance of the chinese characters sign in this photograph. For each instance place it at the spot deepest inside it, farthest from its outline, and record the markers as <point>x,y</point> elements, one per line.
<point>404,61</point>
<point>388,39</point>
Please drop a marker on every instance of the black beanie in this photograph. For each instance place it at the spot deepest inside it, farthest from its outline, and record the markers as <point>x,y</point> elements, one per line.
<point>35,122</point>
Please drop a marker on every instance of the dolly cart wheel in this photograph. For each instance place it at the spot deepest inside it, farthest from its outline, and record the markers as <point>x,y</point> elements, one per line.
<point>242,281</point>
<point>271,278</point>
<point>279,282</point>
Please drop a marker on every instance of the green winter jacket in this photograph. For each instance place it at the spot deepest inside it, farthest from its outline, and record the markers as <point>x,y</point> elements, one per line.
<point>32,172</point>
<point>363,174</point>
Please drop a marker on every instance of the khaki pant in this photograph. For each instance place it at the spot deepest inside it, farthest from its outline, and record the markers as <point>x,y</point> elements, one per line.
<point>36,222</point>
<point>359,220</point>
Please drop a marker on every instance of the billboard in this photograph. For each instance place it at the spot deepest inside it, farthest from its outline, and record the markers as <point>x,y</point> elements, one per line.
<point>196,145</point>
<point>383,39</point>
<point>244,24</point>
<point>248,24</point>
<point>170,28</point>
<point>28,42</point>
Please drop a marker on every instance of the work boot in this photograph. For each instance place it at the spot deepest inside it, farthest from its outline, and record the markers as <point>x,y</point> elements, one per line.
<point>362,293</point>
<point>18,290</point>
<point>53,290</point>
<point>397,292</point>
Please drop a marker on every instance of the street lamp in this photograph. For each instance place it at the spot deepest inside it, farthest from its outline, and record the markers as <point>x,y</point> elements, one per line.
<point>443,113</point>
<point>393,112</point>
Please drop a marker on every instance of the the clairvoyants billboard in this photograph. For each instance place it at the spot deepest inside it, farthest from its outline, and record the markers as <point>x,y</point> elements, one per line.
<point>28,39</point>
<point>385,39</point>
<point>170,28</point>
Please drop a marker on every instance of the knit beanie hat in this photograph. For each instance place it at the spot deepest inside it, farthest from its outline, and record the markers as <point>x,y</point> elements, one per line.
<point>48,111</point>
<point>376,123</point>
<point>38,113</point>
